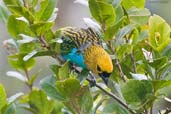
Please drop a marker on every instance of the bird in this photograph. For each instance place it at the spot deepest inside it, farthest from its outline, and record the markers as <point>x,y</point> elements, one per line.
<point>83,47</point>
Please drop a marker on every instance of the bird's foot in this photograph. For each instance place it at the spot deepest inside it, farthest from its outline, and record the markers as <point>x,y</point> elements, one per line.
<point>92,80</point>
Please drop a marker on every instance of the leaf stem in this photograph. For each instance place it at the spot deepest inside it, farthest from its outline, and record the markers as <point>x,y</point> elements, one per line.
<point>114,97</point>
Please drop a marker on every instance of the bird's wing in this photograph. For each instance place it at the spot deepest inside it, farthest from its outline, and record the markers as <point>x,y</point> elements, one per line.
<point>78,38</point>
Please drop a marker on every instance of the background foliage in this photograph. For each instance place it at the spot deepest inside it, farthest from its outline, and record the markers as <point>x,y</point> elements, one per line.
<point>138,43</point>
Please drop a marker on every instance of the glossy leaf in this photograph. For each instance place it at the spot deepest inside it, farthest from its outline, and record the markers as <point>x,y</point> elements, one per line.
<point>104,13</point>
<point>159,33</point>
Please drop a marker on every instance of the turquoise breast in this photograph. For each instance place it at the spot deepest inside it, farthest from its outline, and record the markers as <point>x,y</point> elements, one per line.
<point>75,57</point>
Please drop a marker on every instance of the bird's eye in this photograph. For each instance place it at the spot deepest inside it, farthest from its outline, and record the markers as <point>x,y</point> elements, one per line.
<point>99,69</point>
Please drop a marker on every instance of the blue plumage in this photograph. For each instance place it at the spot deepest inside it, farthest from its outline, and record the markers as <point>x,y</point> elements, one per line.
<point>75,57</point>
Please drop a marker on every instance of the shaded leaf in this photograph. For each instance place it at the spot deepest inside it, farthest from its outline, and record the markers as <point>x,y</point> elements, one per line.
<point>159,62</point>
<point>111,108</point>
<point>48,85</point>
<point>137,95</point>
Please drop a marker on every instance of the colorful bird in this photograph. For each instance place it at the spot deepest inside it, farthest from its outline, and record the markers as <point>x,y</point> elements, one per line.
<point>83,47</point>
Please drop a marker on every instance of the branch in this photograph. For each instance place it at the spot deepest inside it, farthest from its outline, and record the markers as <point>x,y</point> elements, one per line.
<point>114,97</point>
<point>167,111</point>
<point>117,61</point>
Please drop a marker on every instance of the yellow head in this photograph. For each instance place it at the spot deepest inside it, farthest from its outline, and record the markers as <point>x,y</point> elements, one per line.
<point>98,61</point>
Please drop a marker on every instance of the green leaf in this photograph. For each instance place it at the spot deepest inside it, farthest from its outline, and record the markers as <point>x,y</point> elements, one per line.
<point>41,27</point>
<point>104,13</point>
<point>46,10</point>
<point>61,72</point>
<point>137,95</point>
<point>4,13</point>
<point>10,2</point>
<point>112,108</point>
<point>124,31</point>
<point>139,16</point>
<point>10,109</point>
<point>113,29</point>
<point>3,97</point>
<point>159,84</point>
<point>27,47</point>
<point>16,26</point>
<point>159,62</point>
<point>159,33</point>
<point>127,4</point>
<point>68,87</point>
<point>35,53</point>
<point>79,99</point>
<point>48,85</point>
<point>17,75</point>
<point>22,11</point>
<point>17,62</point>
<point>39,103</point>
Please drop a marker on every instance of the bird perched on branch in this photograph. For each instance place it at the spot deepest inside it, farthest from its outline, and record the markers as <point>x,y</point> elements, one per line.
<point>83,47</point>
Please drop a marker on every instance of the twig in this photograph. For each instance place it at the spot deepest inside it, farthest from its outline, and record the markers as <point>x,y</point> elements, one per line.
<point>133,62</point>
<point>120,70</point>
<point>117,62</point>
<point>151,109</point>
<point>167,111</point>
<point>114,97</point>
<point>28,78</point>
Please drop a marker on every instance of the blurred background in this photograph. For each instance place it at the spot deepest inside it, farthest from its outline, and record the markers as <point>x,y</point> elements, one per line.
<point>69,14</point>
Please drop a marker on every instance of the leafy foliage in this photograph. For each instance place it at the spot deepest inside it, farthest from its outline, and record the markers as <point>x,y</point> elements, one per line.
<point>138,43</point>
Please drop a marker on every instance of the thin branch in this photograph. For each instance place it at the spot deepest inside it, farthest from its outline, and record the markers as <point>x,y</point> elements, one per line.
<point>114,97</point>
<point>133,62</point>
<point>117,62</point>
<point>43,42</point>
<point>28,78</point>
<point>151,109</point>
<point>167,111</point>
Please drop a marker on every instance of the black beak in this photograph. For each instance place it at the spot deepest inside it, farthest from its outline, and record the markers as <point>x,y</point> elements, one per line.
<point>105,77</point>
